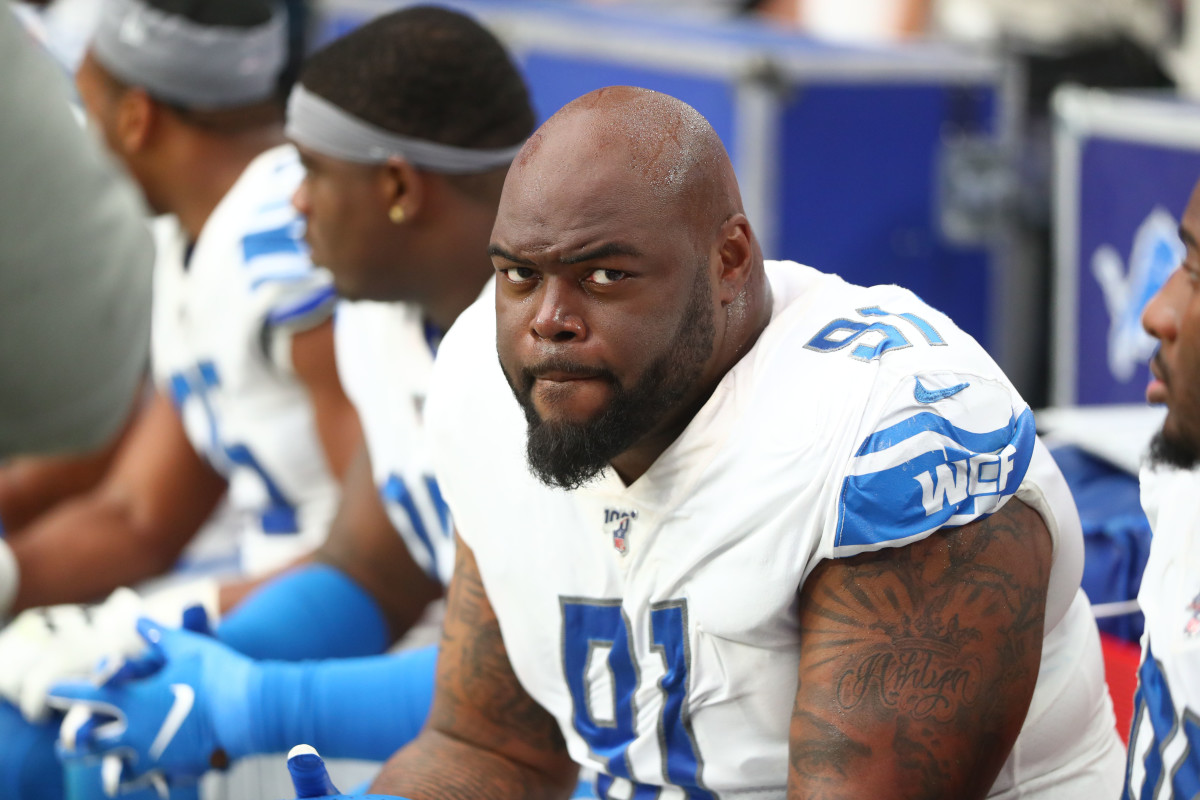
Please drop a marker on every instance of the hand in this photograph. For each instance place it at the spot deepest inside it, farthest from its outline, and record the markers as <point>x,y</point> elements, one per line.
<point>45,645</point>
<point>311,778</point>
<point>165,716</point>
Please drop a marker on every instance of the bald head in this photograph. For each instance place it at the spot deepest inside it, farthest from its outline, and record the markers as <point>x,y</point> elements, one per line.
<point>653,148</point>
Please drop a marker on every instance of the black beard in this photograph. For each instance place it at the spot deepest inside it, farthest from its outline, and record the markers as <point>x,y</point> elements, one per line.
<point>568,455</point>
<point>1172,452</point>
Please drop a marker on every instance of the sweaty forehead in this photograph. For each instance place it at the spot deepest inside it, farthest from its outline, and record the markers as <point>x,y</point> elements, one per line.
<point>655,145</point>
<point>596,164</point>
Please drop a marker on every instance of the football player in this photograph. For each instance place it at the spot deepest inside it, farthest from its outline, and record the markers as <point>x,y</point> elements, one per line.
<point>406,126</point>
<point>1164,743</point>
<point>729,526</point>
<point>247,403</point>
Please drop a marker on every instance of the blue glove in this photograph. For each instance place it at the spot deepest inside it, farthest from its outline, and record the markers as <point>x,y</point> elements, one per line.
<point>28,769</point>
<point>85,781</point>
<point>309,775</point>
<point>311,778</point>
<point>164,716</point>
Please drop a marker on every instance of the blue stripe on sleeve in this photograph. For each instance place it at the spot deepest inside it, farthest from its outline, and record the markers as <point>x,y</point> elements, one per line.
<point>287,276</point>
<point>443,510</point>
<point>180,390</point>
<point>302,308</point>
<point>926,490</point>
<point>208,374</point>
<point>396,491</point>
<point>929,421</point>
<point>275,241</point>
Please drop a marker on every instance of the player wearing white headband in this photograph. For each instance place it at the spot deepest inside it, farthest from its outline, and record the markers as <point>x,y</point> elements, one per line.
<point>406,127</point>
<point>247,402</point>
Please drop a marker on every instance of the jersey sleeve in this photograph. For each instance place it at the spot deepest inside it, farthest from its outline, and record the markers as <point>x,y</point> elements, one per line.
<point>294,295</point>
<point>944,449</point>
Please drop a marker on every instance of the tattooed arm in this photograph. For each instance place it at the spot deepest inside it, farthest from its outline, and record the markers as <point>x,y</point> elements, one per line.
<point>918,663</point>
<point>485,736</point>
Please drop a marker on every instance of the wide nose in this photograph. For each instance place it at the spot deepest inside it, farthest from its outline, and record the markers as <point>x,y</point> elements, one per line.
<point>559,315</point>
<point>1160,318</point>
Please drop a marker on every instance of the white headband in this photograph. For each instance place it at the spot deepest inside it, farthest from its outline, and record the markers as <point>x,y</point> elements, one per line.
<point>318,124</point>
<point>185,62</point>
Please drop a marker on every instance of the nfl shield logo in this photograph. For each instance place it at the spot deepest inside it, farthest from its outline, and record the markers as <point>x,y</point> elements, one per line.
<point>1193,624</point>
<point>619,536</point>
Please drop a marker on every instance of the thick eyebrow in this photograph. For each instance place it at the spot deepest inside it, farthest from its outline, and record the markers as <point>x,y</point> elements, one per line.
<point>1188,239</point>
<point>603,251</point>
<point>497,251</point>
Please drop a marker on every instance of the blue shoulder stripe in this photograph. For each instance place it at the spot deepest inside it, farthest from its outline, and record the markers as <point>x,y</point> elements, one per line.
<point>325,296</point>
<point>935,487</point>
<point>929,421</point>
<point>287,276</point>
<point>275,241</point>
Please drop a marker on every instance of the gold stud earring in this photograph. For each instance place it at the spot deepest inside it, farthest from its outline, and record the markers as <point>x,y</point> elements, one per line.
<point>396,214</point>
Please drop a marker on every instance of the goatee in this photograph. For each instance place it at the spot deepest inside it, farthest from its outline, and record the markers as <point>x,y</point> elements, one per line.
<point>1172,452</point>
<point>568,455</point>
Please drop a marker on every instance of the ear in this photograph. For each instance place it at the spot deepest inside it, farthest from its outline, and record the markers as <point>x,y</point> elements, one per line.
<point>735,256</point>
<point>137,115</point>
<point>401,184</point>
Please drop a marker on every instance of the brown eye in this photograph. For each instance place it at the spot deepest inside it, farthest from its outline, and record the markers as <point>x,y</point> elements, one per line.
<point>517,274</point>
<point>605,277</point>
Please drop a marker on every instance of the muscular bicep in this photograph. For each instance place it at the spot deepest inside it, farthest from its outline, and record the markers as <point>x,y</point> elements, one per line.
<point>917,664</point>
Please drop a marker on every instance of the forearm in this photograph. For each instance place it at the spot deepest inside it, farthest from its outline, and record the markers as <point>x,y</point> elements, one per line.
<point>347,708</point>
<point>29,487</point>
<point>84,549</point>
<point>438,767</point>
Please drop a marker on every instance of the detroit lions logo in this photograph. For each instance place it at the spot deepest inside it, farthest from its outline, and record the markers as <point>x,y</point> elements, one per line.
<point>620,533</point>
<point>1156,252</point>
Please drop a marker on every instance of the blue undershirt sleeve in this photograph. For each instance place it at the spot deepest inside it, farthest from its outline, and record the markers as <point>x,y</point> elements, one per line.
<point>365,708</point>
<point>315,611</point>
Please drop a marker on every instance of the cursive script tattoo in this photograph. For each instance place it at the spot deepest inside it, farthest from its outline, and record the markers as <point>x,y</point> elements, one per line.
<point>918,663</point>
<point>920,680</point>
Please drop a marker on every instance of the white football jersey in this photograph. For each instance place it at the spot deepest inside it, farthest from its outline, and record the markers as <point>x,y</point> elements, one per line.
<point>385,355</point>
<point>657,621</point>
<point>1164,743</point>
<point>223,316</point>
